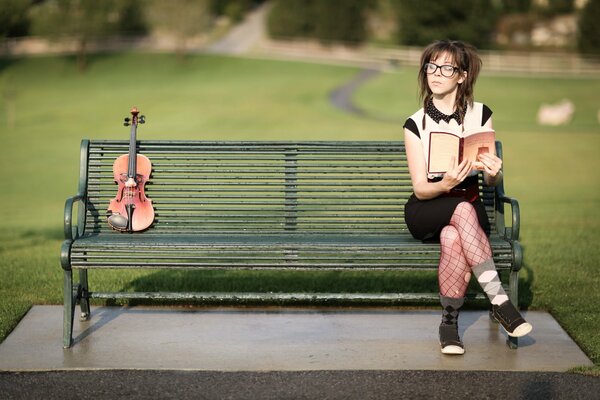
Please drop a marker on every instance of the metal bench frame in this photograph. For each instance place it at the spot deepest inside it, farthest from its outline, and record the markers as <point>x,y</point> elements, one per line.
<point>262,205</point>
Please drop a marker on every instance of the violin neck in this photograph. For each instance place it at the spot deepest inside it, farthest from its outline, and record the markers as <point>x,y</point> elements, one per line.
<point>132,168</point>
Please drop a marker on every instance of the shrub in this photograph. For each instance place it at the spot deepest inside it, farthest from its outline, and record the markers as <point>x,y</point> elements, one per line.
<point>13,18</point>
<point>325,20</point>
<point>291,18</point>
<point>470,20</point>
<point>589,29</point>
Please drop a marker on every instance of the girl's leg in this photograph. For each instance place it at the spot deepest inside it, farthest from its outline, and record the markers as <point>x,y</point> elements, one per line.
<point>478,254</point>
<point>477,251</point>
<point>454,271</point>
<point>453,278</point>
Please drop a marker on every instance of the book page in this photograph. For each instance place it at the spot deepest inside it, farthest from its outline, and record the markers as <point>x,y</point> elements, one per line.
<point>443,146</point>
<point>477,143</point>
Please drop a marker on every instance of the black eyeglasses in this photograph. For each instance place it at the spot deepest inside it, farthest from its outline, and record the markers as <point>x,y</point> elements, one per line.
<point>447,70</point>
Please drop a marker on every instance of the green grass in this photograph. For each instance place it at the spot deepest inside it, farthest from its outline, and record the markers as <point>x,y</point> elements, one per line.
<point>47,108</point>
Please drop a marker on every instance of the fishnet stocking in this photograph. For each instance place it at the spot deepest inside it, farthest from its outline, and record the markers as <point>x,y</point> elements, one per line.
<point>474,243</point>
<point>453,265</point>
<point>463,246</point>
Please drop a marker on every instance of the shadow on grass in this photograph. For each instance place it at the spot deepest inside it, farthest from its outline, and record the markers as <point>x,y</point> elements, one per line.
<point>43,234</point>
<point>13,240</point>
<point>526,285</point>
<point>7,62</point>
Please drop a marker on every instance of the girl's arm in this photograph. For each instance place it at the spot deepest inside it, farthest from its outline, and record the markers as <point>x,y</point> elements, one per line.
<point>417,167</point>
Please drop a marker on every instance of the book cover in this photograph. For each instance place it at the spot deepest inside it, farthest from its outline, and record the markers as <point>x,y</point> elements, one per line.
<point>443,146</point>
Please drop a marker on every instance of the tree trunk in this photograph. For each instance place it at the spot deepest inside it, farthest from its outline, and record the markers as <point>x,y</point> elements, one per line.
<point>82,55</point>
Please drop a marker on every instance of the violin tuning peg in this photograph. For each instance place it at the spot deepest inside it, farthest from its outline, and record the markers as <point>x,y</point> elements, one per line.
<point>142,119</point>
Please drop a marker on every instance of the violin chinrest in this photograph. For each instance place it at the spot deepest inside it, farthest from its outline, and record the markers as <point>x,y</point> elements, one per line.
<point>117,221</point>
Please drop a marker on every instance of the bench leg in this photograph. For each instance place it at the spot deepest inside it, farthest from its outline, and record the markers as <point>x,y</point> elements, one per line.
<point>68,310</point>
<point>513,283</point>
<point>84,302</point>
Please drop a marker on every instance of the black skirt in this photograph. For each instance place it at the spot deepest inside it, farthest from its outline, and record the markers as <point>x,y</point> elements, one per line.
<point>425,219</point>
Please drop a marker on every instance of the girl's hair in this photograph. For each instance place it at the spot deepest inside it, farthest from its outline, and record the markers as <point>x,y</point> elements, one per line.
<point>465,58</point>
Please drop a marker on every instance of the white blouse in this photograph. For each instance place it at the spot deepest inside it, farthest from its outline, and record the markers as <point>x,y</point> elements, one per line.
<point>474,119</point>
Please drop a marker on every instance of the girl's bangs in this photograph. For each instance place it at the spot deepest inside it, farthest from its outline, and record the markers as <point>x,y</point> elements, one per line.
<point>445,48</point>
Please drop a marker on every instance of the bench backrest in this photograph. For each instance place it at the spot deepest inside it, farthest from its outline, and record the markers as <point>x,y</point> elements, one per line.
<point>267,187</point>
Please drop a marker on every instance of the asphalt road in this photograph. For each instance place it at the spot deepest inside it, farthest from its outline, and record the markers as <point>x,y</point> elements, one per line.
<point>363,385</point>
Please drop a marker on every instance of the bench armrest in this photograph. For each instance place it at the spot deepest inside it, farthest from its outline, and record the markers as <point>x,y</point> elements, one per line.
<point>72,232</point>
<point>512,233</point>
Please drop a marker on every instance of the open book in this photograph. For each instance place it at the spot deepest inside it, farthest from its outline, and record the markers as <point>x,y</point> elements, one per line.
<point>443,146</point>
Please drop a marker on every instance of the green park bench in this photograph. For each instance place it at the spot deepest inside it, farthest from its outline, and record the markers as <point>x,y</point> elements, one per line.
<point>308,206</point>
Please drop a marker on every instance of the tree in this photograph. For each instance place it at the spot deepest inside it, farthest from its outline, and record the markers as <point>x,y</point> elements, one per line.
<point>556,7</point>
<point>326,20</point>
<point>181,19</point>
<point>291,18</point>
<point>516,6</point>
<point>472,21</point>
<point>588,40</point>
<point>80,20</point>
<point>13,17</point>
<point>132,21</point>
<point>233,9</point>
<point>343,22</point>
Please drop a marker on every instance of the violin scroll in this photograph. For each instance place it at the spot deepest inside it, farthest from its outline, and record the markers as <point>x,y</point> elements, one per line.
<point>135,119</point>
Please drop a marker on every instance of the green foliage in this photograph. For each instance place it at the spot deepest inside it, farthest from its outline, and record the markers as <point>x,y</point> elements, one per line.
<point>516,6</point>
<point>234,9</point>
<point>13,17</point>
<point>131,19</point>
<point>291,18</point>
<point>335,22</point>
<point>472,21</point>
<point>181,19</point>
<point>556,7</point>
<point>82,21</point>
<point>589,28</point>
<point>58,18</point>
<point>325,20</point>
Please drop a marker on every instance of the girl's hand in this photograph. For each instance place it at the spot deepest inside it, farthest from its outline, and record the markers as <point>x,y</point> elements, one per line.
<point>491,163</point>
<point>457,174</point>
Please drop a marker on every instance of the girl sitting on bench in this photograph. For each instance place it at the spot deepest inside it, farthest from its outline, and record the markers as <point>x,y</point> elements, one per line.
<point>446,207</point>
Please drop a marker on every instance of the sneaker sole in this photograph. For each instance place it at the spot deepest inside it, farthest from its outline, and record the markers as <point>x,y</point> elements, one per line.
<point>521,330</point>
<point>453,350</point>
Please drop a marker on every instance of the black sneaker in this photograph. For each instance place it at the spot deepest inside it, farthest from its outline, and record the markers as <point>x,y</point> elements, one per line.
<point>510,319</point>
<point>449,339</point>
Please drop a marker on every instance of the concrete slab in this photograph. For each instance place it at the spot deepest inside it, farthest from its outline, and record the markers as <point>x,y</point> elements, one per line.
<point>278,339</point>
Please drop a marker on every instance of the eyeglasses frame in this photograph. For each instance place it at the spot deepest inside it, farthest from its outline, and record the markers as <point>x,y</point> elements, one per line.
<point>454,69</point>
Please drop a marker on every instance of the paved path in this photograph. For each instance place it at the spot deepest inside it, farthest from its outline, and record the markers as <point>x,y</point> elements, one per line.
<point>243,37</point>
<point>341,97</point>
<point>279,339</point>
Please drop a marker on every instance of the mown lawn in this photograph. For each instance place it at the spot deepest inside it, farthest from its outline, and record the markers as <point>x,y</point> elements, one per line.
<point>48,108</point>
